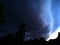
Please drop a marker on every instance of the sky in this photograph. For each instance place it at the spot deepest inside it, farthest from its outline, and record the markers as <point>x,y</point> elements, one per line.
<point>18,11</point>
<point>54,35</point>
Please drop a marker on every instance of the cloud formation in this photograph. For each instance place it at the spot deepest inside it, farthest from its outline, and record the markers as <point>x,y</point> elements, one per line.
<point>39,18</point>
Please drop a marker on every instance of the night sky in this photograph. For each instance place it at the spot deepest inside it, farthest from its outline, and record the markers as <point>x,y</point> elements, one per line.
<point>31,13</point>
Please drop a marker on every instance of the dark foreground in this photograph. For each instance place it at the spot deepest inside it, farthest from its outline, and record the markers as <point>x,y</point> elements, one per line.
<point>19,37</point>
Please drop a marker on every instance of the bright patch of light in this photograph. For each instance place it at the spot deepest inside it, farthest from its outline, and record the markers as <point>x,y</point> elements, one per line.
<point>54,35</point>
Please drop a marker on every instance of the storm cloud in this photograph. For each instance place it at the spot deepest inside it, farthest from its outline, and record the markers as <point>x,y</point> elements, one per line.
<point>41,17</point>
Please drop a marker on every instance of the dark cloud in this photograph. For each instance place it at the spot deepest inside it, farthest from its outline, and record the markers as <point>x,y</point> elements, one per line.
<point>16,12</point>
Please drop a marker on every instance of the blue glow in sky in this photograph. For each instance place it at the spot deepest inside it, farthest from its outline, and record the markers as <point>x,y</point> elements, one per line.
<point>54,35</point>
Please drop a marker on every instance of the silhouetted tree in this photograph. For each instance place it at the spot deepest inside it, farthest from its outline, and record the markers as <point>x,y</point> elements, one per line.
<point>59,35</point>
<point>20,34</point>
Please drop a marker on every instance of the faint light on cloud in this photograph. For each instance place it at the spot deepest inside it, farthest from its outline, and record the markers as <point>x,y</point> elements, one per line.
<point>54,35</point>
